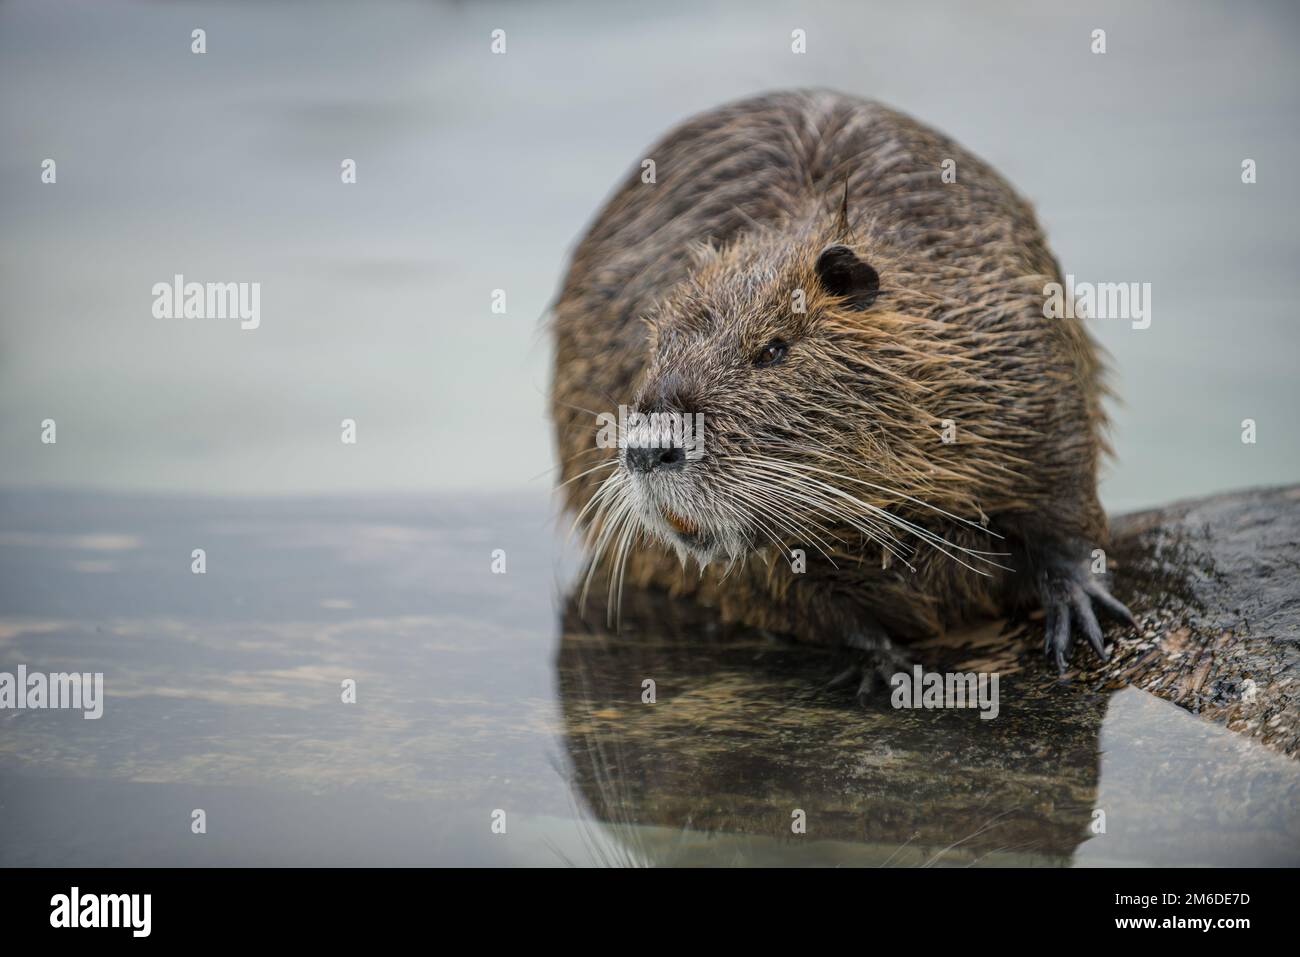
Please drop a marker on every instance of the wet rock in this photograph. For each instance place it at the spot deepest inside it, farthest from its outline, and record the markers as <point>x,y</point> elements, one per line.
<point>1215,584</point>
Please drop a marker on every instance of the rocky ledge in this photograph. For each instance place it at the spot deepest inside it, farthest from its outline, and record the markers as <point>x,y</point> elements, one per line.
<point>1215,584</point>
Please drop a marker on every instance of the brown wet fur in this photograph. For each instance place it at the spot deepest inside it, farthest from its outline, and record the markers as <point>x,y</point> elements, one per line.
<point>677,283</point>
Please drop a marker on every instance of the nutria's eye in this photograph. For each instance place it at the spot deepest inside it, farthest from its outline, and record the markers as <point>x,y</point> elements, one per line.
<point>771,354</point>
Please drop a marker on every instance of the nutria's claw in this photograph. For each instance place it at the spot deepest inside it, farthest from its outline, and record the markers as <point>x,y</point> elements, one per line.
<point>1071,596</point>
<point>873,661</point>
<point>1113,606</point>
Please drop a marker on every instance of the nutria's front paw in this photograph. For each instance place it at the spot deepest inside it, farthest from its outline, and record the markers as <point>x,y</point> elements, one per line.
<point>872,663</point>
<point>1069,592</point>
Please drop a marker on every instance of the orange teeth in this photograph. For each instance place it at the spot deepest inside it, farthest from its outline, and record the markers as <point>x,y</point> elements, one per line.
<point>683,525</point>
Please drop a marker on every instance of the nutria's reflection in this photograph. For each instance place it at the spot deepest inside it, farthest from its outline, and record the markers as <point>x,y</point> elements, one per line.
<point>742,733</point>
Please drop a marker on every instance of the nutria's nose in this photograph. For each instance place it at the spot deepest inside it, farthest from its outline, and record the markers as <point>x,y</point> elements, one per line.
<point>642,459</point>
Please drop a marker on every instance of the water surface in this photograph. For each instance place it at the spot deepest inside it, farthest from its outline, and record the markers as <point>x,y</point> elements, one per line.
<point>479,692</point>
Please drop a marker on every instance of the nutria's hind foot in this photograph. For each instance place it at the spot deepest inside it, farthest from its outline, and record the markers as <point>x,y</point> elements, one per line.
<point>1069,592</point>
<point>872,663</point>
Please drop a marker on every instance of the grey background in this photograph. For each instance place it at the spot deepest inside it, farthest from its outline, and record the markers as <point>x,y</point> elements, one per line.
<point>479,171</point>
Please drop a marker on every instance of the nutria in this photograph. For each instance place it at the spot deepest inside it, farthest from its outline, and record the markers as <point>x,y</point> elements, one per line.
<point>895,437</point>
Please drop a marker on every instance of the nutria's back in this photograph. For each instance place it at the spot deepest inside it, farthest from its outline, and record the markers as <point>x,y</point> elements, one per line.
<point>783,156</point>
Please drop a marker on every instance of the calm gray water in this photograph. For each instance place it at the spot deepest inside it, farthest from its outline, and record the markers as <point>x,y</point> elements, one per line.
<point>476,692</point>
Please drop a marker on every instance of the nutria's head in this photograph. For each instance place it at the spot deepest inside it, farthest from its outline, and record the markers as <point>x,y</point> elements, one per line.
<point>807,385</point>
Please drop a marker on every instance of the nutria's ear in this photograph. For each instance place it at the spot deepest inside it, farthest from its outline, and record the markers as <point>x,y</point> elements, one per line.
<point>842,273</point>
